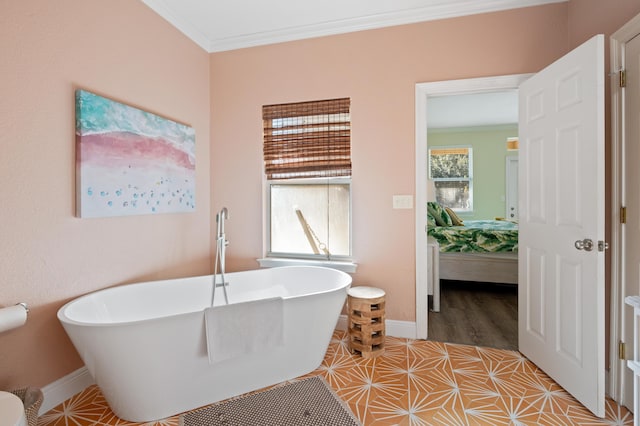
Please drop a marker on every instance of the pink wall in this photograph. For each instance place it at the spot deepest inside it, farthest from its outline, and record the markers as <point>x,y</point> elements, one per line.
<point>121,49</point>
<point>378,70</point>
<point>590,17</point>
<point>125,51</point>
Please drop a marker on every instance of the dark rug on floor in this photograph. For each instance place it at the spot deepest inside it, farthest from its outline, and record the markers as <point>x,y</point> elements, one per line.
<point>308,402</point>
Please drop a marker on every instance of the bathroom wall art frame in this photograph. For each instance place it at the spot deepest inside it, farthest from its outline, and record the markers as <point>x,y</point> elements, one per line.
<point>130,161</point>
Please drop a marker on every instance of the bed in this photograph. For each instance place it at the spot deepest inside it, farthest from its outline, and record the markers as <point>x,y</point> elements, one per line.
<point>474,250</point>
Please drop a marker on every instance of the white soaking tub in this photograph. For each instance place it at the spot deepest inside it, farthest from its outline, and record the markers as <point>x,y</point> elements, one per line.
<point>146,344</point>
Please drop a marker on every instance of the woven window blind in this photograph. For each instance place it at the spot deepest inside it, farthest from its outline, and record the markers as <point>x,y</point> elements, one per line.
<point>449,151</point>
<point>307,139</point>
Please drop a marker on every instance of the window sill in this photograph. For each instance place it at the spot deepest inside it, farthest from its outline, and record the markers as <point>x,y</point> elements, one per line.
<point>271,262</point>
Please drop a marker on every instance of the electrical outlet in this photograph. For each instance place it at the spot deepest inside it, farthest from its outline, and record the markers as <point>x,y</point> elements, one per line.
<point>403,201</point>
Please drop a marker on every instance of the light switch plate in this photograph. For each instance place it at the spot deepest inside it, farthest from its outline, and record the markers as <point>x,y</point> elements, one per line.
<point>403,201</point>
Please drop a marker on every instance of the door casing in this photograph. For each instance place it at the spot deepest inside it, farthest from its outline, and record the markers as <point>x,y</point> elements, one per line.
<point>620,378</point>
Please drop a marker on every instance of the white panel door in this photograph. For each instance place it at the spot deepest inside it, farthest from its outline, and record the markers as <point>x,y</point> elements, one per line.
<point>561,277</point>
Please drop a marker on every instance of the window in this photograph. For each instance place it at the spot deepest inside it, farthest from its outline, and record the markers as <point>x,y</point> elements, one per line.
<point>451,170</point>
<point>307,160</point>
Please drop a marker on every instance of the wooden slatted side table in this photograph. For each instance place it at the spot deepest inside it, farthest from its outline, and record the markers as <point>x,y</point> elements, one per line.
<point>366,321</point>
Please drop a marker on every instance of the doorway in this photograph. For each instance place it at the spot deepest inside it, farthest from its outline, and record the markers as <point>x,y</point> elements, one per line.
<point>424,92</point>
<point>471,140</point>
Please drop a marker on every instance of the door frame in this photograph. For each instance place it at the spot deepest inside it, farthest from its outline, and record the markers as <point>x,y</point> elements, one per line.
<point>617,380</point>
<point>423,92</point>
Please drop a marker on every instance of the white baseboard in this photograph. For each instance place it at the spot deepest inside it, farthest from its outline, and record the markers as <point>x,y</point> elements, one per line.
<point>403,329</point>
<point>393,328</point>
<point>64,388</point>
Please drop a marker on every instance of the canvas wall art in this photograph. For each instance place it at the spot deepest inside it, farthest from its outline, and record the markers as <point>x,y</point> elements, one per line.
<point>130,161</point>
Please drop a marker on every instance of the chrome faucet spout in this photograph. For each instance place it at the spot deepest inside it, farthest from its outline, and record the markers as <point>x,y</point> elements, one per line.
<point>221,216</point>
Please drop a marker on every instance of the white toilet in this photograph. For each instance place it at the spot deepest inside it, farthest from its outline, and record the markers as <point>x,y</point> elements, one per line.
<point>11,410</point>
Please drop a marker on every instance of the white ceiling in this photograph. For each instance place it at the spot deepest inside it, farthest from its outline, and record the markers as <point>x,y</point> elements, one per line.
<point>480,109</point>
<point>218,25</point>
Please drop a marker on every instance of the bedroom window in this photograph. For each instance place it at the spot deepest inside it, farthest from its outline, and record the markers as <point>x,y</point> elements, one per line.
<point>451,170</point>
<point>307,160</point>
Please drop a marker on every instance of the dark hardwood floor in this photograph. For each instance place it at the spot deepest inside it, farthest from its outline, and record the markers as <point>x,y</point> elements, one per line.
<point>479,314</point>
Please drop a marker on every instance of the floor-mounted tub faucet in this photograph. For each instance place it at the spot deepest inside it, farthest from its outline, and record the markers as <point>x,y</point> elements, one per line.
<point>221,216</point>
<point>221,249</point>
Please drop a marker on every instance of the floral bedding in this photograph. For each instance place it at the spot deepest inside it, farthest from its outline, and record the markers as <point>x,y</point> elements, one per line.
<point>477,236</point>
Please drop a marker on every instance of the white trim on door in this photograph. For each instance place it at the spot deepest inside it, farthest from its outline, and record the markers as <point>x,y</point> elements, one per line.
<point>423,92</point>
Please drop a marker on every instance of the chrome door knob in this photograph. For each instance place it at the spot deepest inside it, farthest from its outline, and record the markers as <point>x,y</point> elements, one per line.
<point>586,244</point>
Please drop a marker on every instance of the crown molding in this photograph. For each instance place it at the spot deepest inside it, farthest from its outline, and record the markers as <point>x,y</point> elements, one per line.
<point>426,13</point>
<point>183,25</point>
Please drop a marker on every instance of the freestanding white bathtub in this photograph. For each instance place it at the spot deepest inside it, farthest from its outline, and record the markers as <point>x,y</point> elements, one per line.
<point>145,344</point>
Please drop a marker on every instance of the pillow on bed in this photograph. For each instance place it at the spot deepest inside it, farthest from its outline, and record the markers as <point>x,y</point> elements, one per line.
<point>454,217</point>
<point>439,214</point>
<point>431,221</point>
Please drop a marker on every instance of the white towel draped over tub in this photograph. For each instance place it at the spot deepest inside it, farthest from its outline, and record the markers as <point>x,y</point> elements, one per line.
<point>243,328</point>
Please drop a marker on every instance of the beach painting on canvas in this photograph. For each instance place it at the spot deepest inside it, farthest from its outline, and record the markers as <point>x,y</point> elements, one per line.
<point>130,161</point>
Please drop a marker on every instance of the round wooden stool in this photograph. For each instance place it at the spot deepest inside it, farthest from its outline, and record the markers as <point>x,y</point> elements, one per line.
<point>366,321</point>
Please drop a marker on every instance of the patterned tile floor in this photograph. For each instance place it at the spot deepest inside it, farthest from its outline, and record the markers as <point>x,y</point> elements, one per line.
<point>414,383</point>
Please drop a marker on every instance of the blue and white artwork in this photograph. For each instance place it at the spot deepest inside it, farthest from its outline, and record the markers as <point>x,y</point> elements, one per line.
<point>130,161</point>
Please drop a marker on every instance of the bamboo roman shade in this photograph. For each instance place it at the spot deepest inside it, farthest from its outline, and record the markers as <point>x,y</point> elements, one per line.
<point>307,139</point>
<point>449,151</point>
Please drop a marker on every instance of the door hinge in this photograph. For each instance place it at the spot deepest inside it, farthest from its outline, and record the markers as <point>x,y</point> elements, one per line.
<point>621,350</point>
<point>623,78</point>
<point>623,215</point>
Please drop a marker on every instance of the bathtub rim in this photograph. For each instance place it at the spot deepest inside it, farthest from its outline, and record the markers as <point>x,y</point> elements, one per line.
<point>65,319</point>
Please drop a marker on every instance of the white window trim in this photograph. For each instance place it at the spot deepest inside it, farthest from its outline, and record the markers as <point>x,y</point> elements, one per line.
<point>272,262</point>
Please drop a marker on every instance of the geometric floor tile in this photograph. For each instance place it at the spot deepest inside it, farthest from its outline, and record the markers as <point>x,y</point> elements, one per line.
<point>415,383</point>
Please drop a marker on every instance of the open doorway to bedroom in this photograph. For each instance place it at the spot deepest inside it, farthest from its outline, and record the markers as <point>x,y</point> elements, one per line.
<point>470,140</point>
<point>472,120</point>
